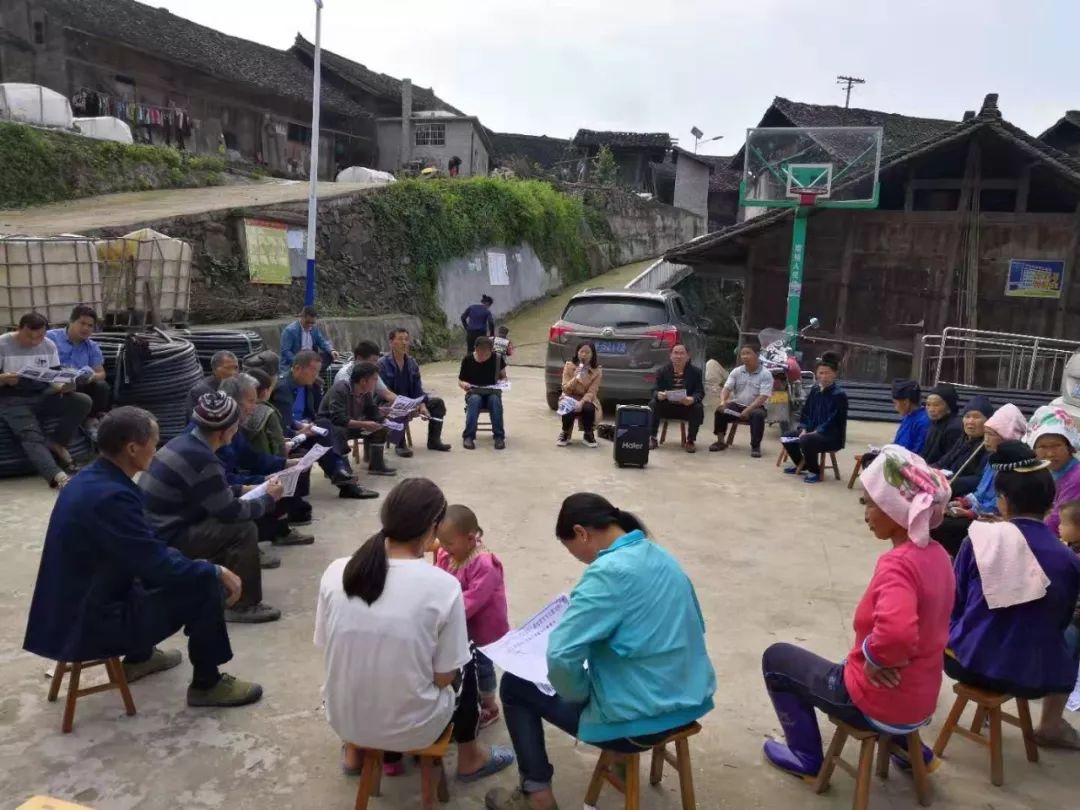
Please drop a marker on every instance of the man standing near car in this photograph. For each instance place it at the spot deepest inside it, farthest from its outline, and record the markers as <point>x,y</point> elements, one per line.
<point>743,399</point>
<point>679,394</point>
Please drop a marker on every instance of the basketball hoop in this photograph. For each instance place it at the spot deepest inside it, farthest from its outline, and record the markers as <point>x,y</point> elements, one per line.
<point>807,198</point>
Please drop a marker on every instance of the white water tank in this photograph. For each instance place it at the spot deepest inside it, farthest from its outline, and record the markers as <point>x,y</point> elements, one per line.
<point>361,174</point>
<point>47,275</point>
<point>34,104</point>
<point>146,272</point>
<point>105,128</point>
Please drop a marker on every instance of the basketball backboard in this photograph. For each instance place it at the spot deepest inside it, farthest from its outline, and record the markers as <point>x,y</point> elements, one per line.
<point>829,167</point>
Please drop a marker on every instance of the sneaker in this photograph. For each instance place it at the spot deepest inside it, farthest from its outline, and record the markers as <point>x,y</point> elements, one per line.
<point>563,440</point>
<point>404,452</point>
<point>159,661</point>
<point>252,614</point>
<point>228,691</point>
<point>356,492</point>
<point>268,561</point>
<point>811,478</point>
<point>469,444</point>
<point>755,452</point>
<point>500,444</point>
<point>690,447</point>
<point>791,470</point>
<point>717,446</point>
<point>653,443</point>
<point>294,538</point>
<point>590,440</point>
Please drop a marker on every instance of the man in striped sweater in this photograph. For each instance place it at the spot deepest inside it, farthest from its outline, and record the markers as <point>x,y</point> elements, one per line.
<point>192,507</point>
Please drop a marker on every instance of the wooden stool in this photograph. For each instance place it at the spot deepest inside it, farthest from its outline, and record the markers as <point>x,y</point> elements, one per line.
<point>862,773</point>
<point>855,472</point>
<point>730,440</point>
<point>357,443</point>
<point>823,463</point>
<point>432,775</point>
<point>117,680</point>
<point>988,704</point>
<point>682,432</point>
<point>631,788</point>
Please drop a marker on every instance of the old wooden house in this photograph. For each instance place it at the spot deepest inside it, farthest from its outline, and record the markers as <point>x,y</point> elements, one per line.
<point>965,207</point>
<point>633,152</point>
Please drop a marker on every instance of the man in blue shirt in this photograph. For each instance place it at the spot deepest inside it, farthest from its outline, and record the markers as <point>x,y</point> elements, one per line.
<point>77,351</point>
<point>401,373</point>
<point>302,335</point>
<point>478,321</point>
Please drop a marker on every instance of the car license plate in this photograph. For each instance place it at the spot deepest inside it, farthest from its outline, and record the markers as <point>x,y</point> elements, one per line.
<point>779,398</point>
<point>610,347</point>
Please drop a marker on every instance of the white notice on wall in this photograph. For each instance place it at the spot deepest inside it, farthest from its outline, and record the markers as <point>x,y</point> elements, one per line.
<point>498,274</point>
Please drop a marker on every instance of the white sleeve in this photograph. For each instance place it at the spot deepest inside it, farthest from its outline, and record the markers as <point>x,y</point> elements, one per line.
<point>765,386</point>
<point>452,649</point>
<point>54,355</point>
<point>729,383</point>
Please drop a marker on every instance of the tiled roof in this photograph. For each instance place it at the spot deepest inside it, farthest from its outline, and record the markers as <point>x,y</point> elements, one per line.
<point>590,137</point>
<point>723,178</point>
<point>1071,117</point>
<point>158,32</point>
<point>539,149</point>
<point>988,119</point>
<point>378,84</point>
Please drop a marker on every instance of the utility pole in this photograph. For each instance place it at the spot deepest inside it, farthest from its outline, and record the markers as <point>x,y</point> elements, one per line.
<point>848,81</point>
<point>313,178</point>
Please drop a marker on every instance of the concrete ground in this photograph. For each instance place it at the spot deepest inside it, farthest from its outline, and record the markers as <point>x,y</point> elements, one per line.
<point>131,208</point>
<point>772,559</point>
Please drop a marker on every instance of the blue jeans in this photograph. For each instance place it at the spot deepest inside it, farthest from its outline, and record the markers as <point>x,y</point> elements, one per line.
<point>815,681</point>
<point>474,403</point>
<point>485,674</point>
<point>525,708</point>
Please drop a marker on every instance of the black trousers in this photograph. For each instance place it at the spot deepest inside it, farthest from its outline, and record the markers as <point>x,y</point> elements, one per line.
<point>815,681</point>
<point>233,545</point>
<point>24,417</point>
<point>331,462</point>
<point>694,415</point>
<point>100,395</point>
<point>437,408</point>
<point>470,339</point>
<point>587,415</point>
<point>198,606</point>
<point>721,421</point>
<point>807,450</point>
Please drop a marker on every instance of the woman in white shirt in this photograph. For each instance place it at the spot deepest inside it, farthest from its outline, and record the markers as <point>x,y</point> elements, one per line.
<point>392,627</point>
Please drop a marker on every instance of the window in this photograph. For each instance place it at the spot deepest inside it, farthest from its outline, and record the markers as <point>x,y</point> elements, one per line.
<point>39,33</point>
<point>298,133</point>
<point>430,135</point>
<point>616,312</point>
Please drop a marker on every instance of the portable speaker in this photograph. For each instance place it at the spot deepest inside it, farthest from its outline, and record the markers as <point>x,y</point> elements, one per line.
<point>632,423</point>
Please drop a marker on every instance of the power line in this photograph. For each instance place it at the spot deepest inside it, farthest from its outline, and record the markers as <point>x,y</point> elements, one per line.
<point>848,81</point>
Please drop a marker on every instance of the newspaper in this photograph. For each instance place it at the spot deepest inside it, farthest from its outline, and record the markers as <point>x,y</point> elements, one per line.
<point>678,395</point>
<point>503,385</point>
<point>288,479</point>
<point>402,407</point>
<point>567,405</point>
<point>50,376</point>
<point>309,459</point>
<point>789,439</point>
<point>523,652</point>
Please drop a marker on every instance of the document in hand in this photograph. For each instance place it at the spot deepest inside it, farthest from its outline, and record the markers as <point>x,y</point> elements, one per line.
<point>309,459</point>
<point>678,395</point>
<point>48,375</point>
<point>523,652</point>
<point>402,407</point>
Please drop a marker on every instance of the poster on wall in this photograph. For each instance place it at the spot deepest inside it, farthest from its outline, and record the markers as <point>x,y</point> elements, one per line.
<point>1035,278</point>
<point>267,251</point>
<point>498,273</point>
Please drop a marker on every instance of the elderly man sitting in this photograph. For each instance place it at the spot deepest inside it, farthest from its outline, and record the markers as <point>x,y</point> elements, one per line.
<point>354,413</point>
<point>192,507</point>
<point>746,392</point>
<point>109,586</point>
<point>223,365</point>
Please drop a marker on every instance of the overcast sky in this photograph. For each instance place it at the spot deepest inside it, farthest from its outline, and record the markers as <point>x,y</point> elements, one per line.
<point>552,66</point>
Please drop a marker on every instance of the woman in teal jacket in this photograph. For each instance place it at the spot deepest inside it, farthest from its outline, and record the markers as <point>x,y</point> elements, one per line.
<point>627,660</point>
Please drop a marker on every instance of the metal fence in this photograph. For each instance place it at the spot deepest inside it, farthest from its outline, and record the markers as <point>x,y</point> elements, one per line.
<point>974,357</point>
<point>659,275</point>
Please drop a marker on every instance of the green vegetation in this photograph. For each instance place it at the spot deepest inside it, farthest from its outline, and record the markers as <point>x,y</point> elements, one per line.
<point>605,168</point>
<point>41,166</point>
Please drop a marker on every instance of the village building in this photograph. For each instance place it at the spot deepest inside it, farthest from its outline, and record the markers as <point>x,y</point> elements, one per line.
<point>1065,134</point>
<point>964,207</point>
<point>633,152</point>
<point>722,196</point>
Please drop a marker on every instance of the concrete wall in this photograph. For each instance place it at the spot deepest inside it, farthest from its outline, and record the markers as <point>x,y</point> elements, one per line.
<point>462,140</point>
<point>463,281</point>
<point>692,186</point>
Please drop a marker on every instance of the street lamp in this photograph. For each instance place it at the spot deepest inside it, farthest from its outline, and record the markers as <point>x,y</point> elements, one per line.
<point>313,176</point>
<point>698,135</point>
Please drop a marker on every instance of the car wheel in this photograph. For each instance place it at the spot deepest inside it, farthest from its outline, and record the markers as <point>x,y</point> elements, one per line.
<point>553,400</point>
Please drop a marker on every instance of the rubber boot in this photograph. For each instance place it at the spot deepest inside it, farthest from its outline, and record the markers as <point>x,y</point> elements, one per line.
<point>901,761</point>
<point>434,437</point>
<point>377,463</point>
<point>802,756</point>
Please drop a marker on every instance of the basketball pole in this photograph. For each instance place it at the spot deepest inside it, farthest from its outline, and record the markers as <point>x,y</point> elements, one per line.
<point>795,272</point>
<point>313,179</point>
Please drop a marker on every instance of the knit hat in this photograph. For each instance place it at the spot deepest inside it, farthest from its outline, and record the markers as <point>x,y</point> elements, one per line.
<point>830,359</point>
<point>981,404</point>
<point>216,411</point>
<point>1051,421</point>
<point>1016,457</point>
<point>1008,422</point>
<point>948,393</point>
<point>908,490</point>
<point>906,389</point>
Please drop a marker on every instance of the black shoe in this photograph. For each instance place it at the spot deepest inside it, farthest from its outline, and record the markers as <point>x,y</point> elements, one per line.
<point>294,538</point>
<point>755,452</point>
<point>500,444</point>
<point>403,451</point>
<point>356,492</point>
<point>343,477</point>
<point>252,614</point>
<point>469,444</point>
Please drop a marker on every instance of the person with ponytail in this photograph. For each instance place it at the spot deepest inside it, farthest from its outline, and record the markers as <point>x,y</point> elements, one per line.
<point>635,622</point>
<point>392,627</point>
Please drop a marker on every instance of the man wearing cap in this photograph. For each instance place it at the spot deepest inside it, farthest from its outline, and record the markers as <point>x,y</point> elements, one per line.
<point>478,321</point>
<point>191,506</point>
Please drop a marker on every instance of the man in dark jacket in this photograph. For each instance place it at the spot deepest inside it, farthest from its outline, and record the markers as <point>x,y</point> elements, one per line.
<point>401,373</point>
<point>822,424</point>
<point>223,365</point>
<point>108,586</point>
<point>353,413</point>
<point>678,394</point>
<point>297,396</point>
<point>478,321</point>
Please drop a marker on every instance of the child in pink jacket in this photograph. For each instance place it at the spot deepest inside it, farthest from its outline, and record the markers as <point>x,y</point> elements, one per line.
<point>480,573</point>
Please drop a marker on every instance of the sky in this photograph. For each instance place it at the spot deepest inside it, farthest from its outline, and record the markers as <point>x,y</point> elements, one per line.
<point>549,67</point>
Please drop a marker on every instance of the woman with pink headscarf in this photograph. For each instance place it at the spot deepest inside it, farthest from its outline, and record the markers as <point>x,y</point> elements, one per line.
<point>1006,425</point>
<point>892,676</point>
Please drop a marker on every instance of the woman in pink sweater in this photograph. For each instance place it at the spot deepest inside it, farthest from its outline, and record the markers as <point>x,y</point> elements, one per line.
<point>892,676</point>
<point>462,554</point>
